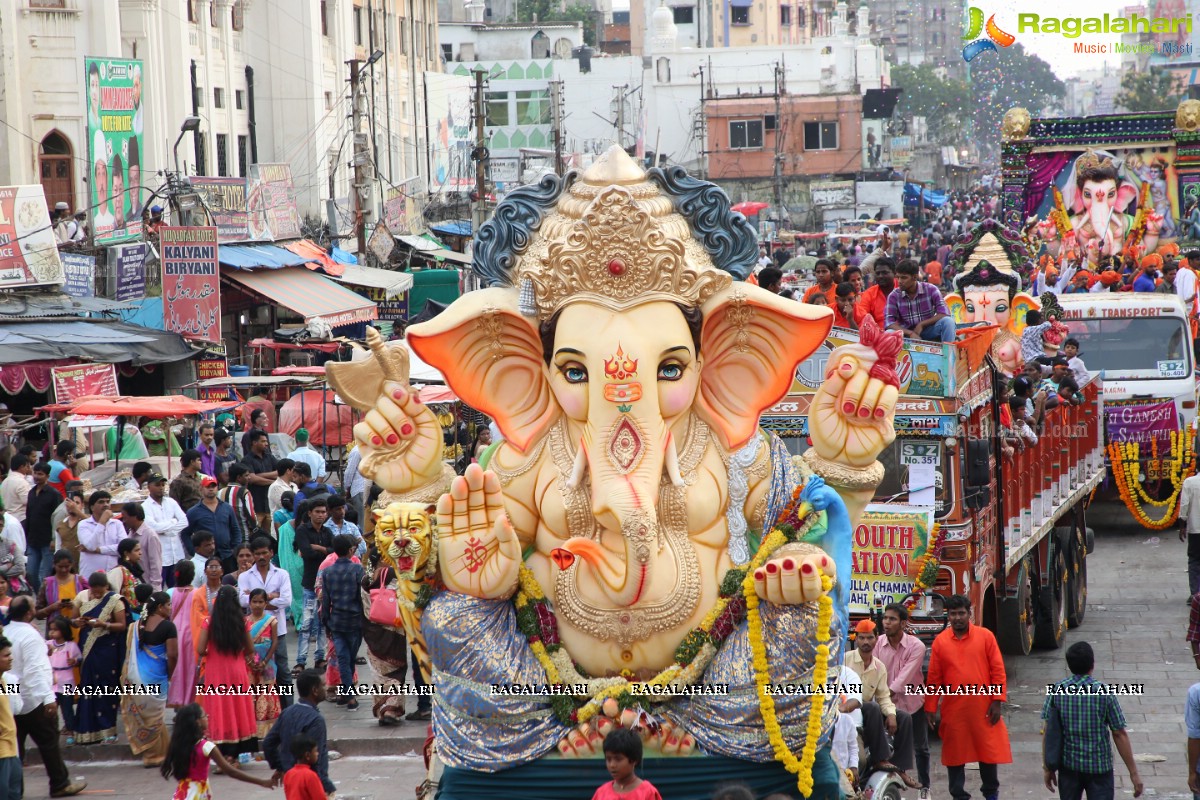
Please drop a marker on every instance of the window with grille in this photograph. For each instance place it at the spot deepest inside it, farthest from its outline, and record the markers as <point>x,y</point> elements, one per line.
<point>324,18</point>
<point>739,15</point>
<point>191,9</point>
<point>745,134</point>
<point>243,156</point>
<point>785,16</point>
<point>358,27</point>
<point>239,99</point>
<point>820,136</point>
<point>239,15</point>
<point>222,155</point>
<point>47,3</point>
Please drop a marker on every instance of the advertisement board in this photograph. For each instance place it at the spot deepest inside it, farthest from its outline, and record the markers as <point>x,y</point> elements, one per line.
<point>888,541</point>
<point>191,283</point>
<point>395,210</point>
<point>127,263</point>
<point>923,367</point>
<point>79,272</point>
<point>28,248</point>
<point>212,368</point>
<point>272,203</point>
<point>902,151</point>
<point>225,200</point>
<point>83,380</point>
<point>876,144</point>
<point>838,194</point>
<point>115,124</point>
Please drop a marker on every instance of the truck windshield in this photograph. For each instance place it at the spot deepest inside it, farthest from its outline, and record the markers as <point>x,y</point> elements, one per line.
<point>1121,346</point>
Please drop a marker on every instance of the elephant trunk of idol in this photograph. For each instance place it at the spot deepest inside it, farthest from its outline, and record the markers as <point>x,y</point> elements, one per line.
<point>626,463</point>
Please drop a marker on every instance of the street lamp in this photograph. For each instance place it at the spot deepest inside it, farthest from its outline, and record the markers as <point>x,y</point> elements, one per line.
<point>378,54</point>
<point>190,125</point>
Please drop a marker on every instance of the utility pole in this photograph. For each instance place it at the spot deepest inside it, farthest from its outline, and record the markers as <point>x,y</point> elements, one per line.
<point>479,211</point>
<point>556,109</point>
<point>361,156</point>
<point>621,114</point>
<point>778,146</point>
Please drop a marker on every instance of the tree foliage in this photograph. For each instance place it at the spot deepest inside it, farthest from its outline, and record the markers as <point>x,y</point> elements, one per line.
<point>554,11</point>
<point>942,101</point>
<point>1153,90</point>
<point>1004,79</point>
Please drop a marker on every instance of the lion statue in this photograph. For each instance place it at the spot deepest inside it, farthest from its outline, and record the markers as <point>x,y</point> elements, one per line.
<point>1187,116</point>
<point>406,537</point>
<point>1016,124</point>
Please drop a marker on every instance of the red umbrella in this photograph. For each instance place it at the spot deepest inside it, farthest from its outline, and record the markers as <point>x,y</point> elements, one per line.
<point>750,208</point>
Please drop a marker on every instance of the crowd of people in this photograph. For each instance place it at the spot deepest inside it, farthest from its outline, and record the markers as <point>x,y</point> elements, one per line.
<point>189,594</point>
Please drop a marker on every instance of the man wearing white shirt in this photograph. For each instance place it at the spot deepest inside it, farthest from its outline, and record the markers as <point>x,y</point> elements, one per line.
<point>14,490</point>
<point>358,485</point>
<point>167,519</point>
<point>39,707</point>
<point>305,453</point>
<point>99,536</point>
<point>283,483</point>
<point>278,586</point>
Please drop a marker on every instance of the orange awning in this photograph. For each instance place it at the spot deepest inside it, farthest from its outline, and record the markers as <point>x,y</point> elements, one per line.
<point>320,259</point>
<point>310,295</point>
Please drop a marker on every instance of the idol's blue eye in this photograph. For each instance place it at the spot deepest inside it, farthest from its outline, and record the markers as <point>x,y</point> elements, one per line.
<point>670,372</point>
<point>575,374</point>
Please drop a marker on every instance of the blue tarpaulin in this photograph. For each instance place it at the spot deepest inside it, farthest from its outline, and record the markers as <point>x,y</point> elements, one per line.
<point>912,196</point>
<point>453,227</point>
<point>258,256</point>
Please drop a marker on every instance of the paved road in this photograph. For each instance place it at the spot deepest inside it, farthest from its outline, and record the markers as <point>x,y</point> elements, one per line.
<point>1136,620</point>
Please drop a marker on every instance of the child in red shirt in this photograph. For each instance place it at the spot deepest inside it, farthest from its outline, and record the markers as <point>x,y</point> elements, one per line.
<point>301,782</point>
<point>622,754</point>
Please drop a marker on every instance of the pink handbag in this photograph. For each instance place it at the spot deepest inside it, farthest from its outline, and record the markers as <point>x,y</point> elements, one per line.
<point>384,604</point>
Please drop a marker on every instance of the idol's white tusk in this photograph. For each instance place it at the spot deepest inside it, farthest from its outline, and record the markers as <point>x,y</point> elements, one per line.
<point>578,470</point>
<point>671,461</point>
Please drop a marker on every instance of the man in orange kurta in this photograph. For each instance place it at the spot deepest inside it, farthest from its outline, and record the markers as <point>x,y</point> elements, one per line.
<point>966,666</point>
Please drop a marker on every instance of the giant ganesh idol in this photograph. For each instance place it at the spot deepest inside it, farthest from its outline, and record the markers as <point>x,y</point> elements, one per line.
<point>636,552</point>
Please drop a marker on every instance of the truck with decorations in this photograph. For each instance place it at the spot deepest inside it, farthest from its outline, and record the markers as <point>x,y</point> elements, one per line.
<point>957,513</point>
<point>1090,190</point>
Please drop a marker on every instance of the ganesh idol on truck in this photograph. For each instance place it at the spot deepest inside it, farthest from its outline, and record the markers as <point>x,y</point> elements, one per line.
<point>636,552</point>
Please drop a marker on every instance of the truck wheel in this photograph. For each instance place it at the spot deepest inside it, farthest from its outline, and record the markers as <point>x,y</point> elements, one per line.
<point>1014,626</point>
<point>1077,584</point>
<point>1052,603</point>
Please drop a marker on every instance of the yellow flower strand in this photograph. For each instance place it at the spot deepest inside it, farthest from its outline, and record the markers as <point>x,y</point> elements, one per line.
<point>1126,472</point>
<point>801,767</point>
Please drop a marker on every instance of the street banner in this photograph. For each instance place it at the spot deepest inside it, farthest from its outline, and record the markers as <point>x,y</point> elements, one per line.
<point>191,283</point>
<point>888,541</point>
<point>1141,423</point>
<point>128,263</point>
<point>225,199</point>
<point>28,248</point>
<point>838,194</point>
<point>80,273</point>
<point>115,123</point>
<point>395,210</point>
<point>83,380</point>
<point>448,115</point>
<point>212,368</point>
<point>382,243</point>
<point>272,203</point>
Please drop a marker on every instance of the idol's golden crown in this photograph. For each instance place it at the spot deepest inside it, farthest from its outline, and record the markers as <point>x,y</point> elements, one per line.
<point>1090,160</point>
<point>616,240</point>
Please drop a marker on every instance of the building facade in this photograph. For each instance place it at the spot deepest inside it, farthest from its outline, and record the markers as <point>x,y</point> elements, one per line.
<point>267,78</point>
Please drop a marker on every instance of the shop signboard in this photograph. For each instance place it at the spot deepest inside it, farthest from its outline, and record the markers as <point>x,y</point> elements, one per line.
<point>83,380</point>
<point>272,203</point>
<point>191,283</point>
<point>28,247</point>
<point>207,368</point>
<point>395,210</point>
<point>127,265</point>
<point>225,200</point>
<point>80,273</point>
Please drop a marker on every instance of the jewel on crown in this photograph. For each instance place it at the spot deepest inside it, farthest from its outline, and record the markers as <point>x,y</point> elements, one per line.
<point>1089,161</point>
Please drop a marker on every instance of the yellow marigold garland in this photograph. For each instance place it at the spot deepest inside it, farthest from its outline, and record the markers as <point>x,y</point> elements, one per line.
<point>1124,459</point>
<point>800,767</point>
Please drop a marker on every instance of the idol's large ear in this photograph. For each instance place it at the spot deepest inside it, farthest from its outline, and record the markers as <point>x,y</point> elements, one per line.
<point>750,343</point>
<point>491,357</point>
